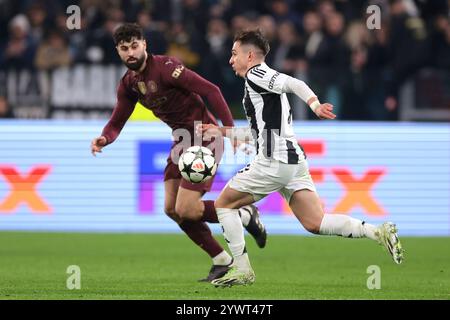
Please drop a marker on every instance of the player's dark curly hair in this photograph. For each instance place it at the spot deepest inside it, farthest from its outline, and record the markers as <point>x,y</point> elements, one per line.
<point>254,37</point>
<point>126,32</point>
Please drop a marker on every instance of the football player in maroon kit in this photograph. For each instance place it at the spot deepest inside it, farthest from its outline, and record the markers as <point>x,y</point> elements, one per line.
<point>173,93</point>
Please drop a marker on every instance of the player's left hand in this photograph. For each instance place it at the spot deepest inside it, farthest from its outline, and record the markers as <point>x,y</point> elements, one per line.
<point>242,146</point>
<point>324,111</point>
<point>245,148</point>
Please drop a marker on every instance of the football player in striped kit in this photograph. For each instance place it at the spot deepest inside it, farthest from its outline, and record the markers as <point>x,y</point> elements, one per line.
<point>280,164</point>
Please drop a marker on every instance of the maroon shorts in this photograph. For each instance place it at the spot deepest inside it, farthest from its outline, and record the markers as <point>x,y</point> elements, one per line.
<point>172,172</point>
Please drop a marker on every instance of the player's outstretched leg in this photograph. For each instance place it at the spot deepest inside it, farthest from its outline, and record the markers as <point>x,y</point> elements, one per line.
<point>385,234</point>
<point>252,223</point>
<point>307,207</point>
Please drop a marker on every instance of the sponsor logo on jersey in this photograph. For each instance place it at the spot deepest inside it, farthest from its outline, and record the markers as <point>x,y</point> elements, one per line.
<point>272,80</point>
<point>177,72</point>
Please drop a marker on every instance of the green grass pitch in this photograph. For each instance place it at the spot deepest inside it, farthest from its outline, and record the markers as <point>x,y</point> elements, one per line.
<point>167,266</point>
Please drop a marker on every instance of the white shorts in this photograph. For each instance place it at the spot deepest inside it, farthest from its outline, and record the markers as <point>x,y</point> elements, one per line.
<point>264,176</point>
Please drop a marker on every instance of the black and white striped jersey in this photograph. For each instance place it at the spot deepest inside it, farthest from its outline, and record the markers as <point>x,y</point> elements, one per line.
<point>270,116</point>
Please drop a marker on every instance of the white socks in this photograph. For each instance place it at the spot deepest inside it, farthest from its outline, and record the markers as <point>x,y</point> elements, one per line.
<point>233,232</point>
<point>222,259</point>
<point>245,215</point>
<point>345,226</point>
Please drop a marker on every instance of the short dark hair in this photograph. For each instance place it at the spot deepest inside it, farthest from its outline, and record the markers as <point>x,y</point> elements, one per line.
<point>126,32</point>
<point>254,37</point>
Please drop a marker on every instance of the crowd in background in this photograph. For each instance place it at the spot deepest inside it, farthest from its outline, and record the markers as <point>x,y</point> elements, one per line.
<point>326,43</point>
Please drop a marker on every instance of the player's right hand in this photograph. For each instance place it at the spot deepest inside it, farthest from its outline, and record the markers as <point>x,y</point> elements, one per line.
<point>207,131</point>
<point>325,111</point>
<point>97,144</point>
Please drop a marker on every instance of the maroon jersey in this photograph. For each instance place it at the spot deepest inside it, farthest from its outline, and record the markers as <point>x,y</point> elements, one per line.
<point>172,92</point>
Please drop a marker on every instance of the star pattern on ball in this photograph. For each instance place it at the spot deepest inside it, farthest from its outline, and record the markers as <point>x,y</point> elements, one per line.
<point>193,165</point>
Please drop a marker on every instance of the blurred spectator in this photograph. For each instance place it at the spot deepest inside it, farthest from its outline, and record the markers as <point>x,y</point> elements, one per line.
<point>312,26</point>
<point>430,9</point>
<point>180,46</point>
<point>240,8</point>
<point>408,49</point>
<point>162,11</point>
<point>195,16</point>
<point>325,42</point>
<point>219,9</point>
<point>101,48</point>
<point>268,26</point>
<point>240,22</point>
<point>287,52</point>
<point>153,32</point>
<point>281,11</point>
<point>328,62</point>
<point>218,39</point>
<point>376,70</point>
<point>325,8</point>
<point>5,110</point>
<point>364,90</point>
<point>95,12</point>
<point>8,9</point>
<point>53,52</point>
<point>20,49</point>
<point>215,65</point>
<point>77,39</point>
<point>38,21</point>
<point>288,57</point>
<point>441,42</point>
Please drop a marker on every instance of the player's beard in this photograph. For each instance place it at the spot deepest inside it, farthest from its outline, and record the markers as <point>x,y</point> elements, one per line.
<point>135,65</point>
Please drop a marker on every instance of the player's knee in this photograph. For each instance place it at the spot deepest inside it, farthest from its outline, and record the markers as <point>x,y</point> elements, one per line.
<point>312,227</point>
<point>170,211</point>
<point>188,210</point>
<point>223,203</point>
<point>218,203</point>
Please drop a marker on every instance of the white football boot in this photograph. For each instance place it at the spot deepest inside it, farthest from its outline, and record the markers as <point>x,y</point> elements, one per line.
<point>387,236</point>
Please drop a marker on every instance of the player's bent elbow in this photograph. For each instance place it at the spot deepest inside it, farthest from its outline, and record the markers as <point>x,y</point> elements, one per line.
<point>214,89</point>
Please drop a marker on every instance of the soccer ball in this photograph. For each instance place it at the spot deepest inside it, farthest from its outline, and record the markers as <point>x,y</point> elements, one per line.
<point>197,164</point>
